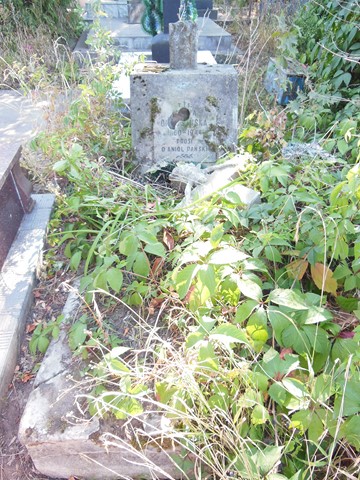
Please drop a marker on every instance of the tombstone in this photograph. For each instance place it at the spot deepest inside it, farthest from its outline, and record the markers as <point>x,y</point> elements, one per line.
<point>205,9</point>
<point>160,43</point>
<point>185,113</point>
<point>15,199</point>
<point>136,9</point>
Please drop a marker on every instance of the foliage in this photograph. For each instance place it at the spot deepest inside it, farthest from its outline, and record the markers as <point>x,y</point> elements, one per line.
<point>42,335</point>
<point>258,299</point>
<point>61,17</point>
<point>329,43</point>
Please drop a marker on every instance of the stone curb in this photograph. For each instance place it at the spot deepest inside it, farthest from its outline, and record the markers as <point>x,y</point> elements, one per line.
<point>17,279</point>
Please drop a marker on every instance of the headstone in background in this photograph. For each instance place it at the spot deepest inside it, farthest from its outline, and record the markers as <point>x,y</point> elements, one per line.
<point>136,9</point>
<point>160,44</point>
<point>183,44</point>
<point>183,115</point>
<point>205,8</point>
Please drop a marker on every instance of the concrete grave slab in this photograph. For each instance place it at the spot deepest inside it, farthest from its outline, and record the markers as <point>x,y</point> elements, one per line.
<point>131,37</point>
<point>17,279</point>
<point>62,443</point>
<point>21,118</point>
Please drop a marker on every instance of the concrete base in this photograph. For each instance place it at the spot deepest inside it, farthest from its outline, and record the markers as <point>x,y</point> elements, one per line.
<point>63,443</point>
<point>132,38</point>
<point>183,115</point>
<point>17,279</point>
<point>111,8</point>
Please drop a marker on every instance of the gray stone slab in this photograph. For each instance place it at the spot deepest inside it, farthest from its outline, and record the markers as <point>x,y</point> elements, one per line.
<point>112,9</point>
<point>131,37</point>
<point>17,278</point>
<point>21,118</point>
<point>61,446</point>
<point>183,115</point>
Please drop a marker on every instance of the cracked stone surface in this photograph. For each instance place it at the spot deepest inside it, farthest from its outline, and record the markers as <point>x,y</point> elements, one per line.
<point>62,443</point>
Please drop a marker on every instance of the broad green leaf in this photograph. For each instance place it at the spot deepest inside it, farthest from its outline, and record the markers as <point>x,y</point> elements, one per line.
<point>278,393</point>
<point>164,392</point>
<point>204,287</point>
<point>288,298</point>
<point>347,401</point>
<point>244,310</point>
<point>129,244</point>
<point>114,278</point>
<point>193,338</point>
<point>259,415</point>
<point>348,304</point>
<point>274,366</point>
<point>301,420</point>
<point>228,333</point>
<point>157,249</point>
<point>43,343</point>
<point>77,335</point>
<point>323,278</point>
<point>60,166</point>
<point>267,459</point>
<point>316,428</point>
<point>147,237</point>
<point>207,357</point>
<point>272,254</point>
<point>249,288</point>
<point>226,256</point>
<point>141,265</point>
<point>184,278</point>
<point>342,348</point>
<point>75,260</point>
<point>100,281</point>
<point>350,430</point>
<point>216,235</point>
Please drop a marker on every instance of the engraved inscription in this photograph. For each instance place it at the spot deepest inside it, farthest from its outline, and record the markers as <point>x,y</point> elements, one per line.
<point>181,134</point>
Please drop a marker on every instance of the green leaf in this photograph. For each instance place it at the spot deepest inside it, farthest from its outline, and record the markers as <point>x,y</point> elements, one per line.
<point>216,235</point>
<point>207,357</point>
<point>249,288</point>
<point>347,304</point>
<point>141,265</point>
<point>259,415</point>
<point>77,335</point>
<point>226,256</point>
<point>75,260</point>
<point>266,459</point>
<point>350,430</point>
<point>244,310</point>
<point>184,278</point>
<point>114,277</point>
<point>157,249</point>
<point>272,254</point>
<point>227,334</point>
<point>43,343</point>
<point>147,237</point>
<point>129,244</point>
<point>164,392</point>
<point>347,401</point>
<point>288,298</point>
<point>61,166</point>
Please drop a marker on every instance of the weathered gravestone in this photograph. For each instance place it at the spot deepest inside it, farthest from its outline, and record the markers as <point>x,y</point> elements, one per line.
<point>185,113</point>
<point>15,199</point>
<point>160,44</point>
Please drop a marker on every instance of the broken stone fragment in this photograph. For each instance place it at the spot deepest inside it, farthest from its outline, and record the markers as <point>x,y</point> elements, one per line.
<point>215,178</point>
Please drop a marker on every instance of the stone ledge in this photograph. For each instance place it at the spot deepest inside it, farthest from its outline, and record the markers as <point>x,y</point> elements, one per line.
<point>61,447</point>
<point>17,279</point>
